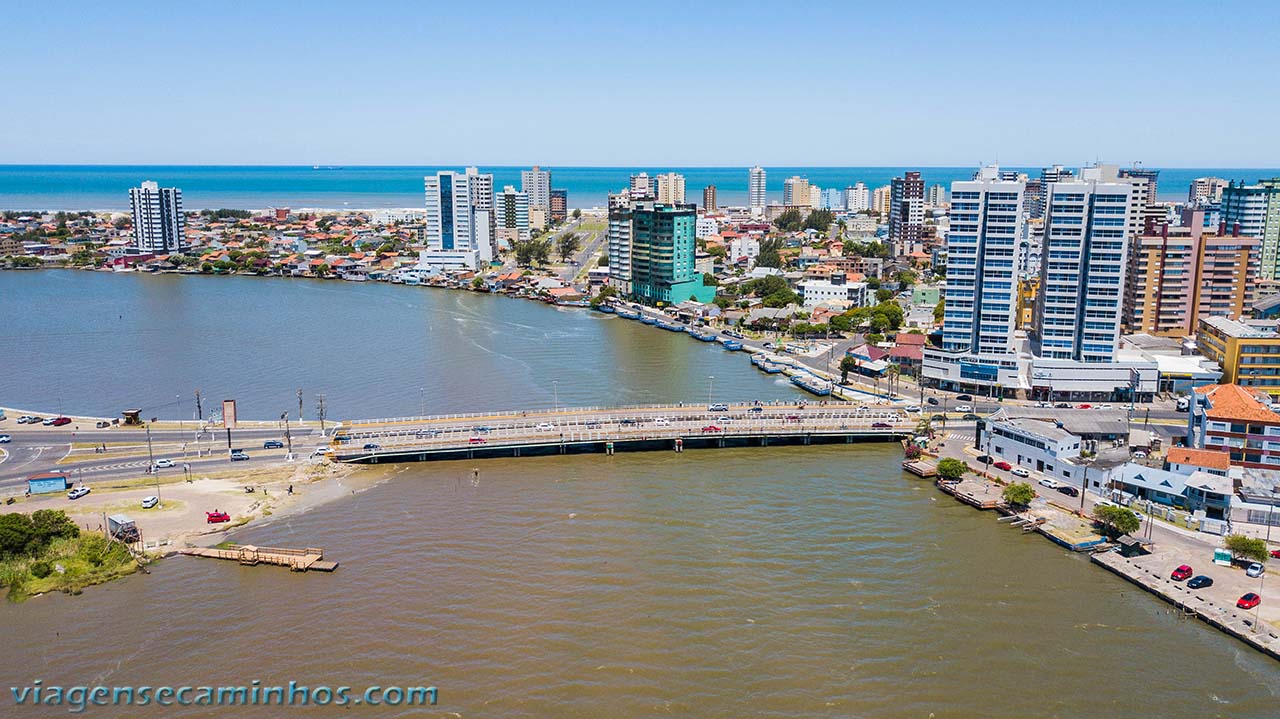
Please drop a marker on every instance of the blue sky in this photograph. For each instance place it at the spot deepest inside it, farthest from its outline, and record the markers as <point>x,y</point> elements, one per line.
<point>652,83</point>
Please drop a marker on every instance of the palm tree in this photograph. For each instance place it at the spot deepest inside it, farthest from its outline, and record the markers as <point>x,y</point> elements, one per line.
<point>892,373</point>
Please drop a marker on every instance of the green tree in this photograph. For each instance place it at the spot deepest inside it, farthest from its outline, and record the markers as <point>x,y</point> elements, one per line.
<point>51,524</point>
<point>577,214</point>
<point>567,244</point>
<point>819,220</point>
<point>883,295</point>
<point>477,284</point>
<point>323,270</point>
<point>770,254</point>
<point>605,293</point>
<point>1116,521</point>
<point>17,535</point>
<point>789,220</point>
<point>1019,494</point>
<point>951,468</point>
<point>1246,548</point>
<point>906,278</point>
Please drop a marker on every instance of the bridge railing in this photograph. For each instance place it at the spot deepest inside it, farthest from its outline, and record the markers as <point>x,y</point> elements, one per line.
<point>594,408</point>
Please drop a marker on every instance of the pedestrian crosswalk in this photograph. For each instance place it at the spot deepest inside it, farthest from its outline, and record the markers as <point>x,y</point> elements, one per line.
<point>960,436</point>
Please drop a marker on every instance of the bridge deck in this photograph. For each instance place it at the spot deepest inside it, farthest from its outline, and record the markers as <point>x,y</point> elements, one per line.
<point>623,429</point>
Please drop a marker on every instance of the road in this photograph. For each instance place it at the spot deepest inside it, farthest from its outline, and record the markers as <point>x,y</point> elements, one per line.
<point>35,448</point>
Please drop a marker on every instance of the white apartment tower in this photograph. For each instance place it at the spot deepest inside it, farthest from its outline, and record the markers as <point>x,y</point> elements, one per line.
<point>459,218</point>
<point>857,198</point>
<point>670,188</point>
<point>1087,227</point>
<point>536,183</point>
<point>641,186</point>
<point>511,215</point>
<point>619,242</point>
<point>158,223</point>
<point>756,194</point>
<point>982,283</point>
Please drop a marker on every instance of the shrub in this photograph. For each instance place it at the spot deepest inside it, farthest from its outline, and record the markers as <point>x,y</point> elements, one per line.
<point>41,569</point>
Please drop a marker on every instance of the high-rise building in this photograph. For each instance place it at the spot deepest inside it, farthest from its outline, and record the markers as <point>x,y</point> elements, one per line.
<point>618,246</point>
<point>1206,190</point>
<point>670,188</point>
<point>906,211</point>
<point>1034,199</point>
<point>559,200</point>
<point>756,194</point>
<point>459,219</point>
<point>833,199</point>
<point>1256,208</point>
<point>937,196</point>
<point>709,198</point>
<point>815,196</point>
<point>1148,180</point>
<point>159,227</point>
<point>662,255</point>
<point>1082,272</point>
<point>1056,173</point>
<point>881,198</point>
<point>641,187</point>
<point>795,192</point>
<point>536,184</point>
<point>511,215</point>
<point>1178,275</point>
<point>986,224</point>
<point>857,198</point>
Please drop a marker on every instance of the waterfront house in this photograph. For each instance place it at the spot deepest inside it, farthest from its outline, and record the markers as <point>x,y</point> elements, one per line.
<point>1231,418</point>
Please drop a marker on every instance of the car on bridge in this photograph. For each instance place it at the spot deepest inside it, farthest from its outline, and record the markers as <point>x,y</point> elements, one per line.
<point>545,427</point>
<point>661,422</point>
<point>712,428</point>
<point>322,451</point>
<point>718,407</point>
<point>427,433</point>
<point>484,429</point>
<point>881,425</point>
<point>477,440</point>
<point>273,444</point>
<point>372,445</point>
<point>78,492</point>
<point>756,409</point>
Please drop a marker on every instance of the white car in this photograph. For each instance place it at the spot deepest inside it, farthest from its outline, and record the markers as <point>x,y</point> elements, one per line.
<point>545,427</point>
<point>162,464</point>
<point>911,408</point>
<point>662,421</point>
<point>962,408</point>
<point>1139,454</point>
<point>321,451</point>
<point>1255,570</point>
<point>1104,406</point>
<point>5,439</point>
<point>149,502</point>
<point>1020,472</point>
<point>48,421</point>
<point>77,493</point>
<point>27,419</point>
<point>1050,483</point>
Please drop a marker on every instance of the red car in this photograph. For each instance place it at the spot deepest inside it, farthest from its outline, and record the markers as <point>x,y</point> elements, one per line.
<point>216,517</point>
<point>1084,406</point>
<point>1003,465</point>
<point>477,440</point>
<point>61,421</point>
<point>712,428</point>
<point>1249,601</point>
<point>1181,573</point>
<point>1275,554</point>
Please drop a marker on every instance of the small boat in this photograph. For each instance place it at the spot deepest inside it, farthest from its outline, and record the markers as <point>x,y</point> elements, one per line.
<point>606,308</point>
<point>628,314</point>
<point>704,336</point>
<point>646,319</point>
<point>573,303</point>
<point>670,326</point>
<point>732,345</point>
<point>812,384</point>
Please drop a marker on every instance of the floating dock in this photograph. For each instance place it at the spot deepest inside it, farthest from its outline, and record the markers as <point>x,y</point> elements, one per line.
<point>297,560</point>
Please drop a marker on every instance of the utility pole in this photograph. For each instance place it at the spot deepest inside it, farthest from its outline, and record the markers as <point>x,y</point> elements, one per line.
<point>320,410</point>
<point>710,383</point>
<point>287,439</point>
<point>152,469</point>
<point>199,408</point>
<point>422,408</point>
<point>299,405</point>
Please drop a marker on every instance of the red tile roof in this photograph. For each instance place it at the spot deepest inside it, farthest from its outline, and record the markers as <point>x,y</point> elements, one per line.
<point>1233,402</point>
<point>1198,457</point>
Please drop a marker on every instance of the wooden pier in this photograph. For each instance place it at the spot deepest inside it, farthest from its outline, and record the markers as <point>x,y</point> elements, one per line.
<point>297,560</point>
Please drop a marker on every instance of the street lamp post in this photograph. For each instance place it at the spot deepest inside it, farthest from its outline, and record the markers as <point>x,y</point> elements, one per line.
<point>1262,578</point>
<point>555,394</point>
<point>710,383</point>
<point>151,457</point>
<point>287,439</point>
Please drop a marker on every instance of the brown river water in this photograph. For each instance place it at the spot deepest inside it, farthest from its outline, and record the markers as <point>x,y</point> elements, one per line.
<point>786,582</point>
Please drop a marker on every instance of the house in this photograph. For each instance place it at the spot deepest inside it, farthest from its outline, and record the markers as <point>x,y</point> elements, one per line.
<point>1230,418</point>
<point>47,483</point>
<point>1149,483</point>
<point>1187,460</point>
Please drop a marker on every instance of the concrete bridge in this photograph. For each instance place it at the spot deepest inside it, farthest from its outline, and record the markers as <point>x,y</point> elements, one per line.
<point>615,429</point>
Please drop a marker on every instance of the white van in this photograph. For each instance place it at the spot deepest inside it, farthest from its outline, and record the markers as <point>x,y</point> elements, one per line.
<point>1182,404</point>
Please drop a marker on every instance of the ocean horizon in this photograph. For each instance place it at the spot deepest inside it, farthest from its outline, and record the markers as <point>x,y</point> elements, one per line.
<point>106,187</point>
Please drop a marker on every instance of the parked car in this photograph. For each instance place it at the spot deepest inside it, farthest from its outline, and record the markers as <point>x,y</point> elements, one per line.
<point>5,439</point>
<point>712,428</point>
<point>1062,405</point>
<point>216,517</point>
<point>1255,570</point>
<point>1249,601</point>
<point>1049,483</point>
<point>985,458</point>
<point>932,400</point>
<point>1275,554</point>
<point>162,464</point>
<point>28,419</point>
<point>1182,572</point>
<point>1139,454</point>
<point>273,444</point>
<point>1003,465</point>
<point>149,502</point>
<point>1084,406</point>
<point>1182,404</point>
<point>1200,582</point>
<point>372,445</point>
<point>102,424</point>
<point>964,397</point>
<point>78,492</point>
<point>1069,490</point>
<point>238,455</point>
<point>718,407</point>
<point>60,422</point>
<point>48,421</point>
<point>1020,472</point>
<point>963,408</point>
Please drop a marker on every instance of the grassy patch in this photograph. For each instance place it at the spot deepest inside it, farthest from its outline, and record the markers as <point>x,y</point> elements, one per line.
<point>84,561</point>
